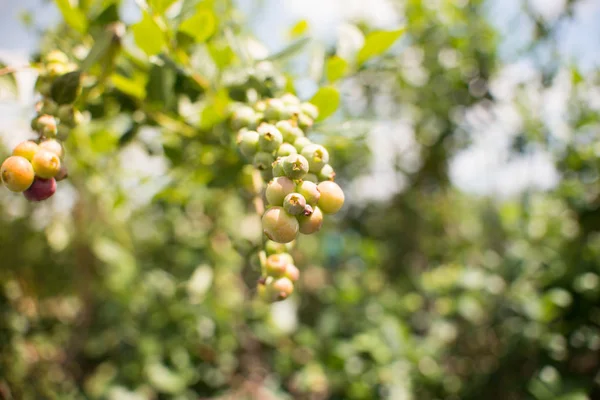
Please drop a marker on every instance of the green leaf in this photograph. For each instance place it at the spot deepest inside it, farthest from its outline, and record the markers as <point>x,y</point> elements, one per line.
<point>132,86</point>
<point>148,35</point>
<point>290,50</point>
<point>160,6</point>
<point>66,88</point>
<point>73,16</point>
<point>299,29</point>
<point>377,43</point>
<point>327,99</point>
<point>336,68</point>
<point>160,86</point>
<point>200,26</point>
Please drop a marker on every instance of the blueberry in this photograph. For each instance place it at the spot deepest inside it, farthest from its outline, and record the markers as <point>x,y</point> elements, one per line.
<point>278,189</point>
<point>279,226</point>
<point>294,204</point>
<point>332,197</point>
<point>295,166</point>
<point>17,173</point>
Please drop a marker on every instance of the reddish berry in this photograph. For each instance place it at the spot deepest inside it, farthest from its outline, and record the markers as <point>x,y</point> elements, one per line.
<point>26,149</point>
<point>278,189</point>
<point>17,173</point>
<point>46,164</point>
<point>276,265</point>
<point>279,226</point>
<point>41,189</point>
<point>292,272</point>
<point>332,197</point>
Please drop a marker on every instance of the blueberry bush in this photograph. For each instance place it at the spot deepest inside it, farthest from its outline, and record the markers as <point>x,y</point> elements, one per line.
<point>191,215</point>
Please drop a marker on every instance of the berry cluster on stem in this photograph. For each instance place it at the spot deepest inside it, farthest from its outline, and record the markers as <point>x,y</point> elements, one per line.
<point>271,135</point>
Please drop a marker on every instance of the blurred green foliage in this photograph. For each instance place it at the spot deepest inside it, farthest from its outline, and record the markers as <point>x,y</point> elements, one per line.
<point>137,280</point>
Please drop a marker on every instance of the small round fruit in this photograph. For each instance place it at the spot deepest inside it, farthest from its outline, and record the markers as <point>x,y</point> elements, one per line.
<point>247,142</point>
<point>53,146</point>
<point>269,138</point>
<point>276,265</point>
<point>327,173</point>
<point>278,189</point>
<point>310,191</point>
<point>310,110</point>
<point>292,272</point>
<point>290,131</point>
<point>294,204</point>
<point>41,189</point>
<point>263,161</point>
<point>311,223</point>
<point>277,248</point>
<point>279,226</point>
<point>301,143</point>
<point>305,122</point>
<point>284,287</point>
<point>275,110</point>
<point>295,166</point>
<point>47,126</point>
<point>26,149</point>
<point>278,167</point>
<point>316,155</point>
<point>286,149</point>
<point>62,174</point>
<point>17,173</point>
<point>290,99</point>
<point>46,164</point>
<point>332,197</point>
<point>243,117</point>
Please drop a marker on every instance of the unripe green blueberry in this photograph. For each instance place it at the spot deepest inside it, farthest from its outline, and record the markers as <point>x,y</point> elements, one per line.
<point>293,111</point>
<point>301,143</point>
<point>290,131</point>
<point>53,146</point>
<point>269,137</point>
<point>279,226</point>
<point>290,99</point>
<point>286,149</point>
<point>17,173</point>
<point>309,191</point>
<point>26,149</point>
<point>263,161</point>
<point>278,167</point>
<point>243,117</point>
<point>276,110</point>
<point>295,166</point>
<point>41,189</point>
<point>278,189</point>
<point>327,173</point>
<point>309,224</point>
<point>310,110</point>
<point>304,121</point>
<point>49,107</point>
<point>276,265</point>
<point>46,125</point>
<point>294,204</point>
<point>46,164</point>
<point>260,106</point>
<point>277,248</point>
<point>332,197</point>
<point>310,177</point>
<point>247,142</point>
<point>316,155</point>
<point>292,272</point>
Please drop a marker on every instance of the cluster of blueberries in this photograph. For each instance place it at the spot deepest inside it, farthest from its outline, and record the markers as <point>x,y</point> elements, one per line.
<point>301,187</point>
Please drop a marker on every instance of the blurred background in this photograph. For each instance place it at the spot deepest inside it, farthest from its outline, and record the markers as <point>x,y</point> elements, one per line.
<point>464,265</point>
